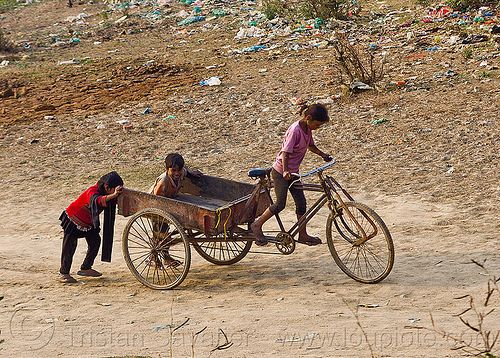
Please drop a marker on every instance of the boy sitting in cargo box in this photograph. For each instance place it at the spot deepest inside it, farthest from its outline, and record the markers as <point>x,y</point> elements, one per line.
<point>169,183</point>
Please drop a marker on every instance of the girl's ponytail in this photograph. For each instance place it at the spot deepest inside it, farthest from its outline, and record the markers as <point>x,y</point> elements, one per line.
<point>317,111</point>
<point>303,108</point>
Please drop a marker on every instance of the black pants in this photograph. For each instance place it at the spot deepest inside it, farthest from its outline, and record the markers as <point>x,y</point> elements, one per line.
<point>281,187</point>
<point>70,239</point>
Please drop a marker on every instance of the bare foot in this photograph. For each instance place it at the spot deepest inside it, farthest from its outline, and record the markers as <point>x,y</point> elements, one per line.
<point>259,235</point>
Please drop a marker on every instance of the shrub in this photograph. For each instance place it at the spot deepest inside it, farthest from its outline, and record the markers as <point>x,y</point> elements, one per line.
<point>5,44</point>
<point>274,8</point>
<point>352,64</point>
<point>327,9</point>
<point>462,5</point>
<point>311,9</point>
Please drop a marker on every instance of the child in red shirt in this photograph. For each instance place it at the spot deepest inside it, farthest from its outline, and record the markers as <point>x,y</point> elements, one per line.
<point>81,219</point>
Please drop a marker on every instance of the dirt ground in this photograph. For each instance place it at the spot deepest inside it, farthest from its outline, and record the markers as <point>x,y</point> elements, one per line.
<point>430,171</point>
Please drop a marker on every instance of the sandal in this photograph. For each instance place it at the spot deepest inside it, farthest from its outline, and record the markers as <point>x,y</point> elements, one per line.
<point>261,242</point>
<point>310,241</point>
<point>66,278</point>
<point>260,238</point>
<point>89,273</point>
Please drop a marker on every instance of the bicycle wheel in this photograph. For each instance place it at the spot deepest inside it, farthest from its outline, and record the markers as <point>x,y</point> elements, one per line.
<point>225,252</point>
<point>156,249</point>
<point>369,262</point>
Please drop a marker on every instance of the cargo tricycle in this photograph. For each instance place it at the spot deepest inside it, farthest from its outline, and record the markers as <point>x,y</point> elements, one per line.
<point>213,215</point>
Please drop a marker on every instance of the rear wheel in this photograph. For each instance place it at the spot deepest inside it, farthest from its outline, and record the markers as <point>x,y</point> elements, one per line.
<point>225,252</point>
<point>369,262</point>
<point>156,249</point>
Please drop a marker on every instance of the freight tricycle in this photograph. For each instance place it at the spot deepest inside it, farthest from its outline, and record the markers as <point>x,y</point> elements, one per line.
<point>213,215</point>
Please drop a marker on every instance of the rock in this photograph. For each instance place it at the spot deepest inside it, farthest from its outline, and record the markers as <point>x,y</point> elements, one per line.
<point>44,107</point>
<point>7,93</point>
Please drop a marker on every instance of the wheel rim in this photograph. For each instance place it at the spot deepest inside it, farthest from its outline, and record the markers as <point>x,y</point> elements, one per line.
<point>369,262</point>
<point>223,252</point>
<point>156,249</point>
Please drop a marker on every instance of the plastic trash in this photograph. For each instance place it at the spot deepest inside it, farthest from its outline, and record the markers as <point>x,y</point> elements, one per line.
<point>380,120</point>
<point>190,20</point>
<point>217,12</point>
<point>212,81</point>
<point>360,86</point>
<point>253,31</point>
<point>73,61</point>
<point>249,49</point>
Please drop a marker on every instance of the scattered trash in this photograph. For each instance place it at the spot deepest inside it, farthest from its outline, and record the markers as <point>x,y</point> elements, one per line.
<point>249,32</point>
<point>360,86</point>
<point>370,305</point>
<point>121,19</point>
<point>146,111</point>
<point>73,61</point>
<point>212,81</point>
<point>378,121</point>
<point>191,20</point>
<point>297,101</point>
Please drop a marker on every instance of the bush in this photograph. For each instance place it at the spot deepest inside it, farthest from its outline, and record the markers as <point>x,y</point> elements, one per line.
<point>462,5</point>
<point>6,5</point>
<point>311,9</point>
<point>273,8</point>
<point>5,44</point>
<point>352,64</point>
<point>327,9</point>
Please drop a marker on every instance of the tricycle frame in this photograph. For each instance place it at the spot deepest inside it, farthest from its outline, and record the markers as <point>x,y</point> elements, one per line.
<point>363,250</point>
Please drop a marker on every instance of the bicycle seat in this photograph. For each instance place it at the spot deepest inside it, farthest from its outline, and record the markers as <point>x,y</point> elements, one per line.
<point>254,173</point>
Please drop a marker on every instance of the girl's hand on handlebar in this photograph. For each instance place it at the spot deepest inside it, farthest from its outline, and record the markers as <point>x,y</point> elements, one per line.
<point>287,175</point>
<point>327,157</point>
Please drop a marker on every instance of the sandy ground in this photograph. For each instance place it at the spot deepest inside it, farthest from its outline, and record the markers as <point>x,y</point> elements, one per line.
<point>267,305</point>
<point>430,171</point>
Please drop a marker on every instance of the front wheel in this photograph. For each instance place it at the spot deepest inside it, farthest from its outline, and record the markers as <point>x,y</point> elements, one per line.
<point>370,261</point>
<point>156,249</point>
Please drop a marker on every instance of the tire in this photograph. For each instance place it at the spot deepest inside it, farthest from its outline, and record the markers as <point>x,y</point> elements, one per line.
<point>225,252</point>
<point>156,249</point>
<point>369,262</point>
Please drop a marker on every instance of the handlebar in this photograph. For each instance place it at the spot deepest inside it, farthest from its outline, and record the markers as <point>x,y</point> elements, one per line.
<point>320,169</point>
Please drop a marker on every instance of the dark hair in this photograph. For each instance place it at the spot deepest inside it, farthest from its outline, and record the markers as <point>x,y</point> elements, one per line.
<point>317,111</point>
<point>174,159</point>
<point>111,179</point>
